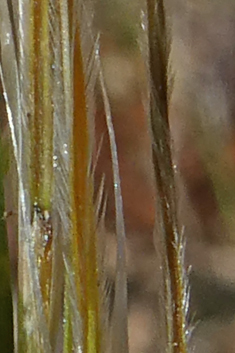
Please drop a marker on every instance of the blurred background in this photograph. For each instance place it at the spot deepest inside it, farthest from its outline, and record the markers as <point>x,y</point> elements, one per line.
<point>202,111</point>
<point>202,121</point>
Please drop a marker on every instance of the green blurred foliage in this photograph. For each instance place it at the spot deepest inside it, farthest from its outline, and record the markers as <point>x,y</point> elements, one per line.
<point>6,321</point>
<point>120,20</point>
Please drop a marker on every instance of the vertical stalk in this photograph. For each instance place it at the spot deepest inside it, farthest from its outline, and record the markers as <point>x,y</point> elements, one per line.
<point>41,133</point>
<point>84,245</point>
<point>159,48</point>
<point>42,116</point>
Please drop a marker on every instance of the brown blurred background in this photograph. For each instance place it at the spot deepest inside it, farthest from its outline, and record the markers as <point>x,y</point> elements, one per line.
<point>202,124</point>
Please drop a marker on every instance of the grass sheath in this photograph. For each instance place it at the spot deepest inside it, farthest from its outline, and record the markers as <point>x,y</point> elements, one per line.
<point>159,49</point>
<point>46,93</point>
<point>84,245</point>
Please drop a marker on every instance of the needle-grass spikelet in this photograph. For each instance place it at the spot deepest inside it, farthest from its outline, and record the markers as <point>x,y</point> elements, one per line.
<point>175,286</point>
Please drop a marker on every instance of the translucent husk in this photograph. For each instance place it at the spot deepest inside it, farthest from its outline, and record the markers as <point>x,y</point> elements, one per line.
<point>46,90</point>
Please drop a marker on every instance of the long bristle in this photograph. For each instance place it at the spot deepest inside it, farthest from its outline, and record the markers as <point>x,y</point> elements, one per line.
<point>119,333</point>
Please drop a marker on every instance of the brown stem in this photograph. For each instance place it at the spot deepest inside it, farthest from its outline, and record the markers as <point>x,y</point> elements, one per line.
<point>164,172</point>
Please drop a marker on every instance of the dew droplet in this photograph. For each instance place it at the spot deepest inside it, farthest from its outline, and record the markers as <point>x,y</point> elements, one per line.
<point>55,164</point>
<point>8,38</point>
<point>65,148</point>
<point>46,238</point>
